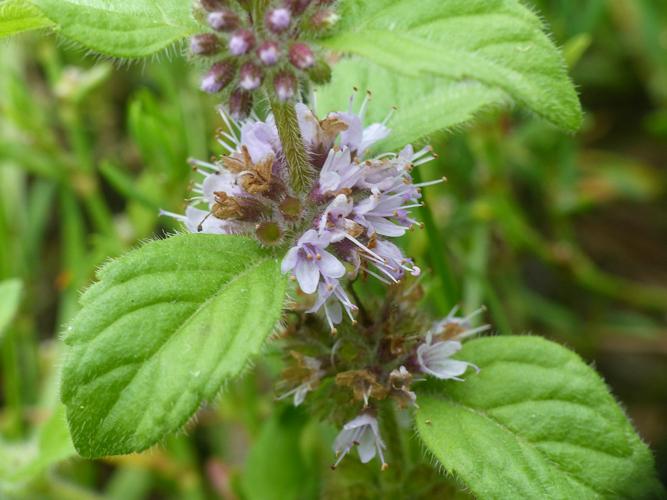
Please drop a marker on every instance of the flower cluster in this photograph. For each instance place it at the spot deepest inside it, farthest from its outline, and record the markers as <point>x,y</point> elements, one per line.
<point>340,226</point>
<point>392,365</point>
<point>336,229</point>
<point>272,52</point>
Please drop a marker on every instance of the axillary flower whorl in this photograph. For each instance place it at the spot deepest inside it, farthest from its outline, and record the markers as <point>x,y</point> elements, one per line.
<point>273,53</point>
<point>341,225</point>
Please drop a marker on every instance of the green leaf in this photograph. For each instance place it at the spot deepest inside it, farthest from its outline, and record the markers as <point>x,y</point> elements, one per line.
<point>10,299</point>
<point>424,106</point>
<point>17,16</point>
<point>276,468</point>
<point>122,28</point>
<point>499,43</point>
<point>163,329</point>
<point>536,422</point>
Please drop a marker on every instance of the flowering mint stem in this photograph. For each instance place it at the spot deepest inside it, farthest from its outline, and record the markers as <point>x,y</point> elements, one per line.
<point>292,143</point>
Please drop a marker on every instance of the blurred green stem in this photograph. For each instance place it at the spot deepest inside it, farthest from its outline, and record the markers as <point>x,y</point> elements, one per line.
<point>438,254</point>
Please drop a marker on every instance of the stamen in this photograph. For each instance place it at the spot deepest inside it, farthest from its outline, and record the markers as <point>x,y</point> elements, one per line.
<point>173,215</point>
<point>430,183</point>
<point>364,105</point>
<point>200,226</point>
<point>390,115</point>
<point>194,163</point>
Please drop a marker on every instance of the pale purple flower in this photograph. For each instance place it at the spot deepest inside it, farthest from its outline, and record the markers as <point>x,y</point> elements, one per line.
<point>339,171</point>
<point>434,358</point>
<point>384,213</point>
<point>309,260</point>
<point>356,137</point>
<point>332,297</point>
<point>363,432</point>
<point>261,139</point>
<point>464,324</point>
<point>335,221</point>
<point>392,262</point>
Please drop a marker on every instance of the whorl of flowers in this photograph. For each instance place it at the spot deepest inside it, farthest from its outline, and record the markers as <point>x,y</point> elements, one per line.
<point>273,52</point>
<point>341,226</point>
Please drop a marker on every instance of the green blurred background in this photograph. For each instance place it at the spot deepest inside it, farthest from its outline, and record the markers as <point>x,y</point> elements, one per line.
<point>561,236</point>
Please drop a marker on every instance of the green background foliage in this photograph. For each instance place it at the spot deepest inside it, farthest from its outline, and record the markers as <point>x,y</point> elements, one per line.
<point>560,235</point>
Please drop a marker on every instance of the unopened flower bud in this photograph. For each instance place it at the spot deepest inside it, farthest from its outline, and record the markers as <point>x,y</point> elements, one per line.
<point>284,84</point>
<point>301,56</point>
<point>223,20</point>
<point>211,5</point>
<point>240,104</point>
<point>324,19</point>
<point>219,76</point>
<point>268,232</point>
<point>250,76</point>
<point>298,7</point>
<point>278,20</point>
<point>205,44</point>
<point>269,53</point>
<point>241,42</point>
<point>320,72</point>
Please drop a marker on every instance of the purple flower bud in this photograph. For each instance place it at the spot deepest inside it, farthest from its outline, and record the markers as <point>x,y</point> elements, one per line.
<point>241,42</point>
<point>298,7</point>
<point>284,84</point>
<point>250,76</point>
<point>219,76</point>
<point>240,104</point>
<point>204,45</point>
<point>269,53</point>
<point>301,56</point>
<point>278,20</point>
<point>324,19</point>
<point>211,5</point>
<point>223,20</point>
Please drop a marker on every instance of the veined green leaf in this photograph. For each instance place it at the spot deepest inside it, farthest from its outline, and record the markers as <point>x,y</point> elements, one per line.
<point>10,297</point>
<point>163,329</point>
<point>17,16</point>
<point>121,28</point>
<point>423,106</point>
<point>536,422</point>
<point>496,42</point>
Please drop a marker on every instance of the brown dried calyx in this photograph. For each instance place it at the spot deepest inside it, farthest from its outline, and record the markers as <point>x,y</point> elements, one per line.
<point>235,207</point>
<point>364,385</point>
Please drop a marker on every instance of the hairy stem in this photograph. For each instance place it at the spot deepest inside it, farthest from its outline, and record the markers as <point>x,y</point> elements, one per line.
<point>295,152</point>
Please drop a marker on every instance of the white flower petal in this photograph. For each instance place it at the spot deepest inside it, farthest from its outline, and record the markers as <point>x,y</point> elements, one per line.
<point>290,260</point>
<point>366,446</point>
<point>307,274</point>
<point>330,266</point>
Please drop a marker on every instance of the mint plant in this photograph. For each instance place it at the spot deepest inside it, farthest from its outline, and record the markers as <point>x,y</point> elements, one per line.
<point>291,239</point>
